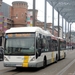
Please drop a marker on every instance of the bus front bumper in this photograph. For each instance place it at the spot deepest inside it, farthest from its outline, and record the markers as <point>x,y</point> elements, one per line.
<point>14,64</point>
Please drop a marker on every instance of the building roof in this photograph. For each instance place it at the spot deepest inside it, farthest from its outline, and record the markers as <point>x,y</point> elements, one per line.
<point>19,2</point>
<point>66,8</point>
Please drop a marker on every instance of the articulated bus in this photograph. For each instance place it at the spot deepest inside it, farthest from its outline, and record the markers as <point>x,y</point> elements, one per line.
<point>31,47</point>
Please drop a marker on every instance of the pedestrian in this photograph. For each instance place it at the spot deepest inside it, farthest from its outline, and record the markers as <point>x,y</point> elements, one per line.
<point>72,47</point>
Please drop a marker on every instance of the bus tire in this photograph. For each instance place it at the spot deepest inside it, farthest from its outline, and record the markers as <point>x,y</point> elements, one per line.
<point>44,62</point>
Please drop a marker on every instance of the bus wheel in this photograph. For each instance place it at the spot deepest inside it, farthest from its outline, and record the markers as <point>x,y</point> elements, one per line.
<point>44,62</point>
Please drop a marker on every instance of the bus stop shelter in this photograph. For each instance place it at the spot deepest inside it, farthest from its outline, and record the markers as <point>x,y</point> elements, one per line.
<point>65,8</point>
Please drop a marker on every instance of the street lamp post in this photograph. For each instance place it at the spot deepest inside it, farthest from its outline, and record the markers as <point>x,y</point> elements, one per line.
<point>65,29</point>
<point>34,12</point>
<point>58,39</point>
<point>70,34</point>
<point>0,2</point>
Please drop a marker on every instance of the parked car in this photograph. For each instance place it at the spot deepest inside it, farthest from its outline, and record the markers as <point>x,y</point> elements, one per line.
<point>1,53</point>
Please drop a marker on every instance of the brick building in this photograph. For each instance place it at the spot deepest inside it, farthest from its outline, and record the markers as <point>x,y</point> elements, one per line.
<point>18,13</point>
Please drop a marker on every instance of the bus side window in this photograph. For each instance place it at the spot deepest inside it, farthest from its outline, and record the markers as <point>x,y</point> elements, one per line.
<point>53,45</point>
<point>43,44</point>
<point>38,42</point>
<point>52,48</point>
<point>62,45</point>
<point>47,43</point>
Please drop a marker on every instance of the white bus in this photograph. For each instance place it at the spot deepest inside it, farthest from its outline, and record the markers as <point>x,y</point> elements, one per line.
<point>30,47</point>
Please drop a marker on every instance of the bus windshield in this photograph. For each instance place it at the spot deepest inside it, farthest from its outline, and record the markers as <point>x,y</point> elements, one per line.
<point>19,45</point>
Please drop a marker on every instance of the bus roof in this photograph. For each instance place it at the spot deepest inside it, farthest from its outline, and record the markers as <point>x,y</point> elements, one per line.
<point>24,29</point>
<point>61,39</point>
<point>29,29</point>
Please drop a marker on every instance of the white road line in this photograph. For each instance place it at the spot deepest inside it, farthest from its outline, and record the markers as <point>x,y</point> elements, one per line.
<point>64,69</point>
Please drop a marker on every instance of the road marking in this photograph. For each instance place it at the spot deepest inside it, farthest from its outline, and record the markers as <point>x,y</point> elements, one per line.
<point>64,69</point>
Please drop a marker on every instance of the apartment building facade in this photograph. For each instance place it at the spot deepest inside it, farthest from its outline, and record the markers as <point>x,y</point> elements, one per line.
<point>5,21</point>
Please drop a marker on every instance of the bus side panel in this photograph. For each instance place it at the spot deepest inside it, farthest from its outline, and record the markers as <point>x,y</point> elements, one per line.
<point>50,58</point>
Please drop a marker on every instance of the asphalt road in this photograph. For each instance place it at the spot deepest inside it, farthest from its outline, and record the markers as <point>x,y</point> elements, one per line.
<point>62,67</point>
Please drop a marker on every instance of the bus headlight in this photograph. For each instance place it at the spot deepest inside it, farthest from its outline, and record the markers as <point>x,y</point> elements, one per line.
<point>32,59</point>
<point>6,59</point>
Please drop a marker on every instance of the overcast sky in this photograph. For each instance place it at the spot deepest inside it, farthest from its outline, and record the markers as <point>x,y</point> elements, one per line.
<point>40,8</point>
